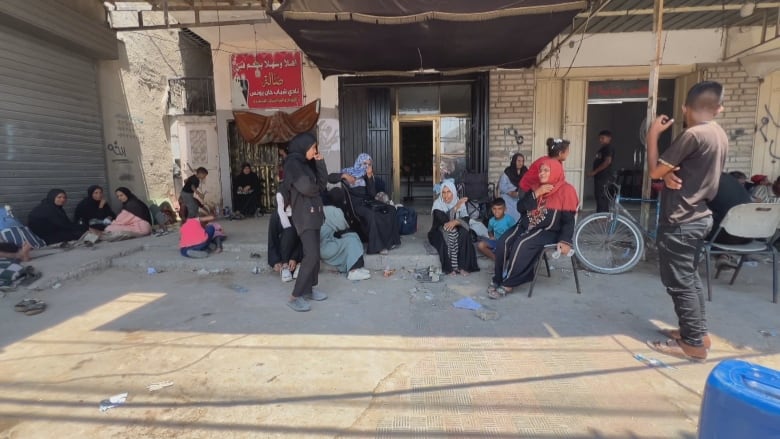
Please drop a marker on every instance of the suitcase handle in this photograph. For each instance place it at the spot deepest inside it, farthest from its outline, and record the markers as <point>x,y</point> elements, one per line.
<point>762,383</point>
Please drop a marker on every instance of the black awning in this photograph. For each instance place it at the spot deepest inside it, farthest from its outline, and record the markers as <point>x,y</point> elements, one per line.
<point>352,36</point>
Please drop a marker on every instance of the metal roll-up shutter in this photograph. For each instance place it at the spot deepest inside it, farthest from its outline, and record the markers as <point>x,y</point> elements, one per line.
<point>50,123</point>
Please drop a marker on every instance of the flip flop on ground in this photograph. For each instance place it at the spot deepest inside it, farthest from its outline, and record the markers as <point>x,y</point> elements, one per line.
<point>30,307</point>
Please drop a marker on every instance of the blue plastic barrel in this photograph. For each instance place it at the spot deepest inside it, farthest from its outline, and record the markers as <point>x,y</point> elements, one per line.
<point>741,400</point>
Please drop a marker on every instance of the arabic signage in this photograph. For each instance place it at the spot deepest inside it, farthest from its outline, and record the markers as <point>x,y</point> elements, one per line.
<point>617,89</point>
<point>267,79</point>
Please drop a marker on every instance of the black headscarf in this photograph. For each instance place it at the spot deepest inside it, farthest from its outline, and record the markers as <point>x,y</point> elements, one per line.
<point>512,172</point>
<point>250,179</point>
<point>134,205</point>
<point>51,223</point>
<point>296,164</point>
<point>190,184</point>
<point>89,209</point>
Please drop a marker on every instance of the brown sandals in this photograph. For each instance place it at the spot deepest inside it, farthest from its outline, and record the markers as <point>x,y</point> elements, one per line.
<point>676,348</point>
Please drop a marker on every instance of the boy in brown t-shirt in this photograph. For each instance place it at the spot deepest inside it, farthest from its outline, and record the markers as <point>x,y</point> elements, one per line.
<point>691,169</point>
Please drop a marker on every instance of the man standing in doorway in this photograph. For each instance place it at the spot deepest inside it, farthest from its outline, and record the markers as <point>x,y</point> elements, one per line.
<point>602,170</point>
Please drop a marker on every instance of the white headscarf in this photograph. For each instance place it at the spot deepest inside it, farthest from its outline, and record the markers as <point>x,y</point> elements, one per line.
<point>440,204</point>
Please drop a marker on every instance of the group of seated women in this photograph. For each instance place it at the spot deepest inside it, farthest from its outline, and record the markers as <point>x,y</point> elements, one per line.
<point>353,217</point>
<point>543,212</point>
<point>93,214</point>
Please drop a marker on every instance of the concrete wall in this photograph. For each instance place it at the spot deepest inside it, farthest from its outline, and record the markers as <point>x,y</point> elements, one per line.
<point>134,92</point>
<point>638,49</point>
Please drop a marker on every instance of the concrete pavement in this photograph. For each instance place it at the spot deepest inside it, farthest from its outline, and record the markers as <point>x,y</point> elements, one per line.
<point>387,357</point>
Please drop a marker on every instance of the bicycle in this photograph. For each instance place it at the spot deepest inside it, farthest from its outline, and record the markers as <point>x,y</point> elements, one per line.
<point>613,242</point>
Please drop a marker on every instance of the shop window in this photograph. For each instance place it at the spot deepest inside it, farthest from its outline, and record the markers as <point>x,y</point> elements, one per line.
<point>455,99</point>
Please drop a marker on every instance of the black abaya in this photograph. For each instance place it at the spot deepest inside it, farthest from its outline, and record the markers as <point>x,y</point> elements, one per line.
<point>51,223</point>
<point>378,220</point>
<point>467,256</point>
<point>518,250</point>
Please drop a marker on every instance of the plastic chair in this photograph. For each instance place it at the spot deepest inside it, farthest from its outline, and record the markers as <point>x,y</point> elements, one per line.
<point>757,221</point>
<point>553,247</point>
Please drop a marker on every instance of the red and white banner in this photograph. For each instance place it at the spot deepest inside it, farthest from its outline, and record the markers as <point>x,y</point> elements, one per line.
<point>267,79</point>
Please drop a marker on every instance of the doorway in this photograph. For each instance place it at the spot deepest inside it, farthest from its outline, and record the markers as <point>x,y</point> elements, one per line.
<point>621,107</point>
<point>416,161</point>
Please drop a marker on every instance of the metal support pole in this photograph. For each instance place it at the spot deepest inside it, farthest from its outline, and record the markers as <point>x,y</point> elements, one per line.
<point>652,101</point>
<point>165,11</point>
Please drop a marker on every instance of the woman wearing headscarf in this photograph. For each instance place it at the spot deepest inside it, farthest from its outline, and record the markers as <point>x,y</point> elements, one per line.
<point>49,220</point>
<point>551,205</point>
<point>509,184</point>
<point>93,209</point>
<point>449,232</point>
<point>134,219</point>
<point>557,149</point>
<point>378,221</point>
<point>247,188</point>
<point>306,176</point>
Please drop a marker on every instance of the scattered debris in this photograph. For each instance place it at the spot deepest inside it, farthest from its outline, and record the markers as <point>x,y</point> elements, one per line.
<point>113,401</point>
<point>389,272</point>
<point>256,270</point>
<point>255,255</point>
<point>151,270</point>
<point>239,288</point>
<point>158,386</point>
<point>202,272</point>
<point>56,286</point>
<point>652,362</point>
<point>467,303</point>
<point>429,274</point>
<point>272,379</point>
<point>768,333</point>
<point>486,314</point>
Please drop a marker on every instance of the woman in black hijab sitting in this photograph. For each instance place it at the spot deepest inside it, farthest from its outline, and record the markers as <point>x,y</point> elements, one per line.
<point>133,221</point>
<point>49,220</point>
<point>93,209</point>
<point>247,187</point>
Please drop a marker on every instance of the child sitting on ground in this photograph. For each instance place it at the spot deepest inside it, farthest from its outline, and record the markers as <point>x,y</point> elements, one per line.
<point>197,241</point>
<point>498,224</point>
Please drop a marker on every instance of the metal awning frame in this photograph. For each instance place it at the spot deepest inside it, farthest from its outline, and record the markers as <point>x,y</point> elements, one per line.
<point>194,6</point>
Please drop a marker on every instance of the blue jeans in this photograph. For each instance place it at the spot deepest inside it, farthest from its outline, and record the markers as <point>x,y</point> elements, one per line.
<point>205,244</point>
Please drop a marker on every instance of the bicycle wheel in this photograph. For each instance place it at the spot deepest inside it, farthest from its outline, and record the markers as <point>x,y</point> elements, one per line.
<point>607,243</point>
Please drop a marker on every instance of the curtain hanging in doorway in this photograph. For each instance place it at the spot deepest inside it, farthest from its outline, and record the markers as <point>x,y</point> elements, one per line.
<point>279,127</point>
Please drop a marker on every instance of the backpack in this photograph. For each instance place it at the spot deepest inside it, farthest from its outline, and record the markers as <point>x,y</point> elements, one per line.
<point>407,220</point>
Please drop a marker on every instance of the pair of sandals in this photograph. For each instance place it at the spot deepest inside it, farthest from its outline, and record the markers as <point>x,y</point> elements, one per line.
<point>30,307</point>
<point>496,291</point>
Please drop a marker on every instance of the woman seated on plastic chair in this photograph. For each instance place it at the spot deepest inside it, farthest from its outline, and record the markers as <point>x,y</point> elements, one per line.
<point>449,232</point>
<point>378,220</point>
<point>551,207</point>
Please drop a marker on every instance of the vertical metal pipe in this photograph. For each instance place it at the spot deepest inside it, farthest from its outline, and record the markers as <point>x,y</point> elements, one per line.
<point>652,101</point>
